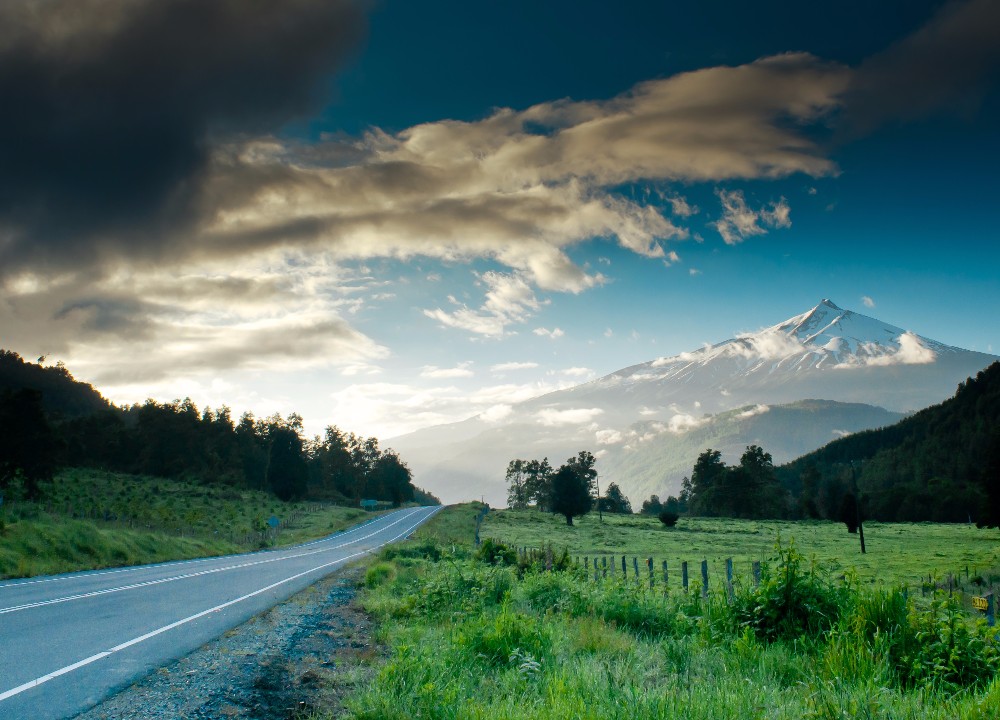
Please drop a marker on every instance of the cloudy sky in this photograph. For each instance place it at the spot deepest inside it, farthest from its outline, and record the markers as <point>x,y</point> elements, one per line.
<point>387,215</point>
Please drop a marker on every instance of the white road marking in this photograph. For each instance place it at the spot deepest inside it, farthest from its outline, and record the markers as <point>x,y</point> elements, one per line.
<point>135,641</point>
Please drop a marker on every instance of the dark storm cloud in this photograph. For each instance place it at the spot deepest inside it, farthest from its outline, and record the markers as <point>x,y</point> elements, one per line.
<point>112,108</point>
<point>946,65</point>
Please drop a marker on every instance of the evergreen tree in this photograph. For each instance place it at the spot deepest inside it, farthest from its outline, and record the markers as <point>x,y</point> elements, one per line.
<point>286,468</point>
<point>571,496</point>
<point>614,501</point>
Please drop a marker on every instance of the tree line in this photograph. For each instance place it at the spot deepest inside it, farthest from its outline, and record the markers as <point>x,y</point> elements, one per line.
<point>571,490</point>
<point>178,440</point>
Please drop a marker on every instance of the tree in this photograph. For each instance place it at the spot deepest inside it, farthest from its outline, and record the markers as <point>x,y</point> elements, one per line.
<point>759,494</point>
<point>517,487</point>
<point>583,464</point>
<point>286,468</point>
<point>707,478</point>
<point>27,443</point>
<point>571,496</point>
<point>653,506</point>
<point>614,501</point>
<point>538,483</point>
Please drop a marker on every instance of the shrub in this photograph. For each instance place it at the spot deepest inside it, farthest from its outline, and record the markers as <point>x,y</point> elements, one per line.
<point>790,602</point>
<point>493,552</point>
<point>669,518</point>
<point>949,651</point>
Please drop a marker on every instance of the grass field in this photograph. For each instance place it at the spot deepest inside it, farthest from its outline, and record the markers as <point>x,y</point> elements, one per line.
<point>896,553</point>
<point>484,636</point>
<point>90,519</point>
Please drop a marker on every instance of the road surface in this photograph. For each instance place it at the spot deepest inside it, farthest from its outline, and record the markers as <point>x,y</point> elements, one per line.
<point>69,641</point>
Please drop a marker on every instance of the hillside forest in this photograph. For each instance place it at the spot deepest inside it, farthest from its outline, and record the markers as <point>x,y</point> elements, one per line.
<point>941,464</point>
<point>49,421</point>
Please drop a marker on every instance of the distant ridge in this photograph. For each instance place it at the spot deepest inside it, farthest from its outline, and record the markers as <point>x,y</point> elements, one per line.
<point>826,353</point>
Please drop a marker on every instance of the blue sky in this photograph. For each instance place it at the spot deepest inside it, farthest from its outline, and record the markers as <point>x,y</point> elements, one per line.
<point>393,215</point>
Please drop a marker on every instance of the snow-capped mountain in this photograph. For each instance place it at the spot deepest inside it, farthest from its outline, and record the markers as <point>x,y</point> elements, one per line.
<point>827,353</point>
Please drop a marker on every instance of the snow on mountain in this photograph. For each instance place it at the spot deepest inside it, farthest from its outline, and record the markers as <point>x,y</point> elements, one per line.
<point>826,353</point>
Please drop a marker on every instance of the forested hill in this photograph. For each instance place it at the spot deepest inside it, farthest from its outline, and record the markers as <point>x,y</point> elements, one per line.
<point>49,421</point>
<point>942,463</point>
<point>62,395</point>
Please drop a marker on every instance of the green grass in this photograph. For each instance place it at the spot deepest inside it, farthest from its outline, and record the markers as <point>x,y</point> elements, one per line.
<point>897,552</point>
<point>468,639</point>
<point>89,519</point>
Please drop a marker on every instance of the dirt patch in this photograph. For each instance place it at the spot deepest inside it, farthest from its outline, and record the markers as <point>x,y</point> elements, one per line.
<point>300,658</point>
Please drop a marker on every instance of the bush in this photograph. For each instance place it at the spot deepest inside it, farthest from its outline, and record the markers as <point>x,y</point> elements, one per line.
<point>669,518</point>
<point>494,552</point>
<point>790,602</point>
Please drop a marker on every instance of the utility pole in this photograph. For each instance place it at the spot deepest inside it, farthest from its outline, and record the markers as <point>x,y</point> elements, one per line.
<point>600,511</point>
<point>857,507</point>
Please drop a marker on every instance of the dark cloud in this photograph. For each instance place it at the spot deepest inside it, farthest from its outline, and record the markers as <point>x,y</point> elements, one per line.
<point>112,109</point>
<point>946,65</point>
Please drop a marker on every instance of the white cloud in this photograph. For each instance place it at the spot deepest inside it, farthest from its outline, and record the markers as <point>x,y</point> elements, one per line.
<point>767,345</point>
<point>694,271</point>
<point>670,258</point>
<point>545,332</point>
<point>496,413</point>
<point>867,301</point>
<point>608,437</point>
<point>508,299</point>
<point>577,372</point>
<point>681,207</point>
<point>754,411</point>
<point>739,221</point>
<point>575,416</point>
<point>682,423</point>
<point>504,367</point>
<point>911,351</point>
<point>459,371</point>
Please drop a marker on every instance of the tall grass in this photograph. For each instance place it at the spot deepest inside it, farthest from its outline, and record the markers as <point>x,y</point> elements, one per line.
<point>88,519</point>
<point>489,637</point>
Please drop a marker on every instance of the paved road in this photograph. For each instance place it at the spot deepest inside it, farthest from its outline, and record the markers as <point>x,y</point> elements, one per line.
<point>69,641</point>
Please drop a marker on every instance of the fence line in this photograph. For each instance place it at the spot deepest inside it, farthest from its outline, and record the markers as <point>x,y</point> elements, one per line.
<point>602,566</point>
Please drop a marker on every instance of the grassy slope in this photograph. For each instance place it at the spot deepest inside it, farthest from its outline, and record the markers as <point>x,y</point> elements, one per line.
<point>91,519</point>
<point>472,641</point>
<point>897,552</point>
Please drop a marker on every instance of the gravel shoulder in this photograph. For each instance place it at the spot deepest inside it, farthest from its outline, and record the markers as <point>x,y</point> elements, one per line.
<point>303,655</point>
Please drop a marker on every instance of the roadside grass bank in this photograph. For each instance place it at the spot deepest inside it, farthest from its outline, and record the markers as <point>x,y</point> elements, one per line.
<point>897,552</point>
<point>89,519</point>
<point>485,634</point>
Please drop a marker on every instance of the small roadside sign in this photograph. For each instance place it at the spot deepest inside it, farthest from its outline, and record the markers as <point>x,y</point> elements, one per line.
<point>273,521</point>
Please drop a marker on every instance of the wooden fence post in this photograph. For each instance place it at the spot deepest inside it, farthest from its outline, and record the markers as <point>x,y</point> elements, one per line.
<point>604,566</point>
<point>991,605</point>
<point>649,563</point>
<point>635,567</point>
<point>624,569</point>
<point>704,578</point>
<point>684,575</point>
<point>665,585</point>
<point>756,573</point>
<point>729,578</point>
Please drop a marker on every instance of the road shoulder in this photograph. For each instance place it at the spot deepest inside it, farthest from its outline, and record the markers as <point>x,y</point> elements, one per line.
<point>305,653</point>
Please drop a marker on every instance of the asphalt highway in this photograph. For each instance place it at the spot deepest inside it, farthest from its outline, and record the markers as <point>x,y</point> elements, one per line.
<point>69,641</point>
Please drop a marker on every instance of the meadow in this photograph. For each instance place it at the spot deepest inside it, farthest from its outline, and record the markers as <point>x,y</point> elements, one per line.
<point>897,553</point>
<point>486,633</point>
<point>87,519</point>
